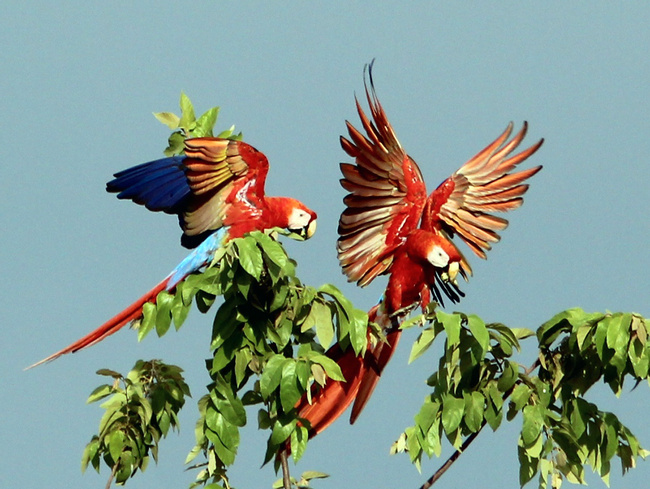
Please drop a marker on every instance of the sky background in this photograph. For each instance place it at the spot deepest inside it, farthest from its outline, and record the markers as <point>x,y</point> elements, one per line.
<point>79,81</point>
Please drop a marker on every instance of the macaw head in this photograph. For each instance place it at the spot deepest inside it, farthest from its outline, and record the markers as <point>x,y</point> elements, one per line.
<point>292,215</point>
<point>437,251</point>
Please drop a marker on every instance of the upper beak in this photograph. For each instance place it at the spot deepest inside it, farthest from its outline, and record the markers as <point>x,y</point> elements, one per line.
<point>453,272</point>
<point>310,230</point>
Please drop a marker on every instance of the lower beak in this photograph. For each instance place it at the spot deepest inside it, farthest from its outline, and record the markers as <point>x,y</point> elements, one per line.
<point>451,273</point>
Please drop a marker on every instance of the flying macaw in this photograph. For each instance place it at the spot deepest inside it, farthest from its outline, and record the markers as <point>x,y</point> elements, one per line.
<point>217,190</point>
<point>390,226</point>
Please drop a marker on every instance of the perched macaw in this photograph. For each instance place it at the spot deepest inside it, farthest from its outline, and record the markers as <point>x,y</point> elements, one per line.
<point>390,226</point>
<point>217,190</point>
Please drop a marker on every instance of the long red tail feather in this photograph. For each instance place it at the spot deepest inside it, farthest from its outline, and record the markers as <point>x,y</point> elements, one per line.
<point>361,375</point>
<point>330,401</point>
<point>109,327</point>
<point>374,363</point>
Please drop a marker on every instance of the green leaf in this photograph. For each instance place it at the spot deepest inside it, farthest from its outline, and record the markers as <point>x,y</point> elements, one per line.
<point>322,317</point>
<point>508,376</point>
<point>164,303</point>
<point>422,344</point>
<point>99,393</point>
<point>228,403</point>
<point>179,310</point>
<point>187,112</point>
<point>479,331</point>
<point>282,431</point>
<point>358,329</point>
<point>272,375</point>
<point>175,144</point>
<point>242,359</point>
<point>493,412</point>
<point>116,444</point>
<point>225,323</point>
<point>520,396</point>
<point>289,392</point>
<point>109,373</point>
<point>299,438</point>
<point>452,413</point>
<point>273,250</point>
<point>522,333</point>
<point>225,454</point>
<point>90,455</point>
<point>312,474</point>
<point>427,415</point>
<point>474,409</point>
<point>167,118</point>
<point>532,424</point>
<point>451,323</point>
<point>148,320</point>
<point>250,257</point>
<point>332,369</point>
<point>205,123</point>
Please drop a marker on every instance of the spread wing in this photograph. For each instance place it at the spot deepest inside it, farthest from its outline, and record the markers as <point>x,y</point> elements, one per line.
<point>227,182</point>
<point>217,182</point>
<point>387,195</point>
<point>463,204</point>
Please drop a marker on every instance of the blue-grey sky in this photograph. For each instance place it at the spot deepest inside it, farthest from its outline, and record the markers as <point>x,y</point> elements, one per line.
<point>80,80</point>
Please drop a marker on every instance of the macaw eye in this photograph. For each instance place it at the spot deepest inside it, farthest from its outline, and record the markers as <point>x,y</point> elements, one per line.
<point>298,219</point>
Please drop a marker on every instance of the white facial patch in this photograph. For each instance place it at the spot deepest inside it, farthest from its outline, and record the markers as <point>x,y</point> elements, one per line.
<point>437,257</point>
<point>298,219</point>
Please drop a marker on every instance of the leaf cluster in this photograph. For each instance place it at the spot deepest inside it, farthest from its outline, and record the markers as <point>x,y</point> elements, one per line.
<point>188,126</point>
<point>268,342</point>
<point>474,373</point>
<point>268,346</point>
<point>477,382</point>
<point>141,409</point>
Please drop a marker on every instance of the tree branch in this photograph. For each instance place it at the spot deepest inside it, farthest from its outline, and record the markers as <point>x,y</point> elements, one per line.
<point>112,476</point>
<point>286,477</point>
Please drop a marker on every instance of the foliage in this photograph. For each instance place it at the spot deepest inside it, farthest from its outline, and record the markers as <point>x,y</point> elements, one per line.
<point>561,431</point>
<point>188,126</point>
<point>141,409</point>
<point>264,330</point>
<point>266,348</point>
<point>269,339</point>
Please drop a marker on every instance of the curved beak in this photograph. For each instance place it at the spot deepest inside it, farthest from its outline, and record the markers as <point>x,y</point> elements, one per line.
<point>307,231</point>
<point>310,230</point>
<point>451,273</point>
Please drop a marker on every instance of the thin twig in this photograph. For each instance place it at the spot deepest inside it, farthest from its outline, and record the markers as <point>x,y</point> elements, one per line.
<point>286,478</point>
<point>454,456</point>
<point>112,476</point>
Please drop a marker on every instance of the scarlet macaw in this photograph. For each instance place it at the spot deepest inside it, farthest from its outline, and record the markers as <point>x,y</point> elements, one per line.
<point>217,190</point>
<point>390,227</point>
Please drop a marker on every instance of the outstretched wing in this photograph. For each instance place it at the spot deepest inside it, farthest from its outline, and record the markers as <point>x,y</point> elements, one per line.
<point>463,204</point>
<point>216,183</point>
<point>387,195</point>
<point>227,179</point>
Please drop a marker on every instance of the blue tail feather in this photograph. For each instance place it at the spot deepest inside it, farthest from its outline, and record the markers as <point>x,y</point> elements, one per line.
<point>198,258</point>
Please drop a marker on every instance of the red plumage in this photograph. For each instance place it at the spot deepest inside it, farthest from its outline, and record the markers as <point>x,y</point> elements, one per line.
<point>390,226</point>
<point>218,185</point>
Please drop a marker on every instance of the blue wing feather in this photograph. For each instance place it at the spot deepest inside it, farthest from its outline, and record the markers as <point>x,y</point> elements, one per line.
<point>159,185</point>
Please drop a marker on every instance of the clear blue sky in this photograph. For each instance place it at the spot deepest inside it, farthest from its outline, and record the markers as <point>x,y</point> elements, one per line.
<point>79,81</point>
